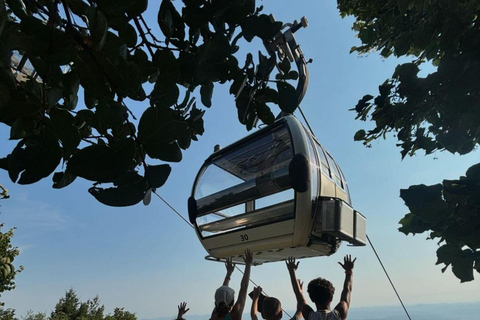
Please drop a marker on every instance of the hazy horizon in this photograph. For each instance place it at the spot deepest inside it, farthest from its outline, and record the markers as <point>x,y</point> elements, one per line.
<point>434,311</point>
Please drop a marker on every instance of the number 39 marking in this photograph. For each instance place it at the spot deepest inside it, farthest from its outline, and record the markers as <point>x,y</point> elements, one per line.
<point>244,237</point>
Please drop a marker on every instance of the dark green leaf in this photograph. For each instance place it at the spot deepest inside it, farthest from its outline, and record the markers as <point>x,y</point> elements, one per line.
<point>157,175</point>
<point>62,179</point>
<point>158,131</point>
<point>242,103</point>
<point>102,163</point>
<point>128,178</point>
<point>426,202</point>
<point>164,94</point>
<point>264,113</point>
<point>98,26</point>
<point>34,158</point>
<point>260,26</point>
<point>206,92</point>
<point>265,66</point>
<point>170,21</point>
<point>284,65</point>
<point>128,195</point>
<point>266,95</point>
<point>71,84</point>
<point>17,130</point>
<point>359,135</point>
<point>168,66</point>
<point>136,8</point>
<point>140,57</point>
<point>90,100</point>
<point>165,151</point>
<point>129,35</point>
<point>462,266</point>
<point>91,78</point>
<point>64,125</point>
<point>287,97</point>
<point>406,71</point>
<point>292,75</point>
<point>474,172</point>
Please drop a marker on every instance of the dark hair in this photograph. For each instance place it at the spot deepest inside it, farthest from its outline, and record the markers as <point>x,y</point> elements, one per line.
<point>222,310</point>
<point>321,291</point>
<point>270,307</point>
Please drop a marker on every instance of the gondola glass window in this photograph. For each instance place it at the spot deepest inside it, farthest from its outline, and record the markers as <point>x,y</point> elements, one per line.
<point>323,158</point>
<point>246,186</point>
<point>334,171</point>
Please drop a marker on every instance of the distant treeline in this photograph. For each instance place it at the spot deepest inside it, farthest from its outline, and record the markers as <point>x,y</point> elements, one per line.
<point>70,307</point>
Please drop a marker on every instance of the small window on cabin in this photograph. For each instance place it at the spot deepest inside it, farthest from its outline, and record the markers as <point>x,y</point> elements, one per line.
<point>335,172</point>
<point>323,159</point>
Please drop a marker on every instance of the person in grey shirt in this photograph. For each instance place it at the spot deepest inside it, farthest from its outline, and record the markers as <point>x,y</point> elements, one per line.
<point>321,293</point>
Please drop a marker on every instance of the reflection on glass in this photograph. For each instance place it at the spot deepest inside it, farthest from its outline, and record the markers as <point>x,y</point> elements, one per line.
<point>247,186</point>
<point>214,224</point>
<point>274,198</point>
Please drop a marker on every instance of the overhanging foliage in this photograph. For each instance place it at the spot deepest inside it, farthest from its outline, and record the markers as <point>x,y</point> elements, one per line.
<point>105,50</point>
<point>440,111</point>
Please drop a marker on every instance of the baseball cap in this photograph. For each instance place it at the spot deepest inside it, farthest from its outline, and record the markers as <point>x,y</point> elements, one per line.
<point>224,294</point>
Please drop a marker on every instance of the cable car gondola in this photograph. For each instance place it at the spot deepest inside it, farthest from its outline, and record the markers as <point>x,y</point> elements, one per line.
<point>277,192</point>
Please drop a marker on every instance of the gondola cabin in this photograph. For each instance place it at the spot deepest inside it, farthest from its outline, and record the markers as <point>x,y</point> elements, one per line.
<point>277,192</point>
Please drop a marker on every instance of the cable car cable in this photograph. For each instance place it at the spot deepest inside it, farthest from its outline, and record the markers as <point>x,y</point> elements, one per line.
<point>386,273</point>
<point>236,267</point>
<point>306,121</point>
<point>173,209</point>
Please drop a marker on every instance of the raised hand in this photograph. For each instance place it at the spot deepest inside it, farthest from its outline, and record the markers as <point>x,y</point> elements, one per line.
<point>291,265</point>
<point>257,291</point>
<point>348,264</point>
<point>248,257</point>
<point>300,284</point>
<point>182,309</point>
<point>229,265</point>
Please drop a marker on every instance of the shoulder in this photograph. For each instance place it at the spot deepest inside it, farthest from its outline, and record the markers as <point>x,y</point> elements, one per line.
<point>342,309</point>
<point>313,315</point>
<point>335,314</point>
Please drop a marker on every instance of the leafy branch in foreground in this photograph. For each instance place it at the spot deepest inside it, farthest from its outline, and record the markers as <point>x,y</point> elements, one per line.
<point>437,112</point>
<point>107,49</point>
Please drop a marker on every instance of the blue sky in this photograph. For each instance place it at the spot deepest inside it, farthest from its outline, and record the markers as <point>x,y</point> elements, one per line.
<point>147,260</point>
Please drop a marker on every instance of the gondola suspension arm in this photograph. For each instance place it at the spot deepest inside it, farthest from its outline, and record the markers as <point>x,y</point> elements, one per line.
<point>285,46</point>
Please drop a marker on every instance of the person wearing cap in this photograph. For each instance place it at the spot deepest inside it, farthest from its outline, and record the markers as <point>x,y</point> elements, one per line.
<point>226,308</point>
<point>321,293</point>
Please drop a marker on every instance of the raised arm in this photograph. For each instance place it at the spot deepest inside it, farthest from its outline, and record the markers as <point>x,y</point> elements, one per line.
<point>230,266</point>
<point>298,312</point>
<point>237,309</point>
<point>302,306</point>
<point>256,294</point>
<point>344,304</point>
<point>182,309</point>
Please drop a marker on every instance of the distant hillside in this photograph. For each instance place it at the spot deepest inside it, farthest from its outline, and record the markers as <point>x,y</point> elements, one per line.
<point>443,311</point>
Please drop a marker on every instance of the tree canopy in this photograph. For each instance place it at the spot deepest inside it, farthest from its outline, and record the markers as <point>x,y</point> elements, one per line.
<point>436,112</point>
<point>70,307</point>
<point>7,255</point>
<point>52,51</point>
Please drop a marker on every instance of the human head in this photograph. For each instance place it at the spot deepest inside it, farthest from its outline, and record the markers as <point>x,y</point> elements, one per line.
<point>272,309</point>
<point>224,298</point>
<point>321,291</point>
